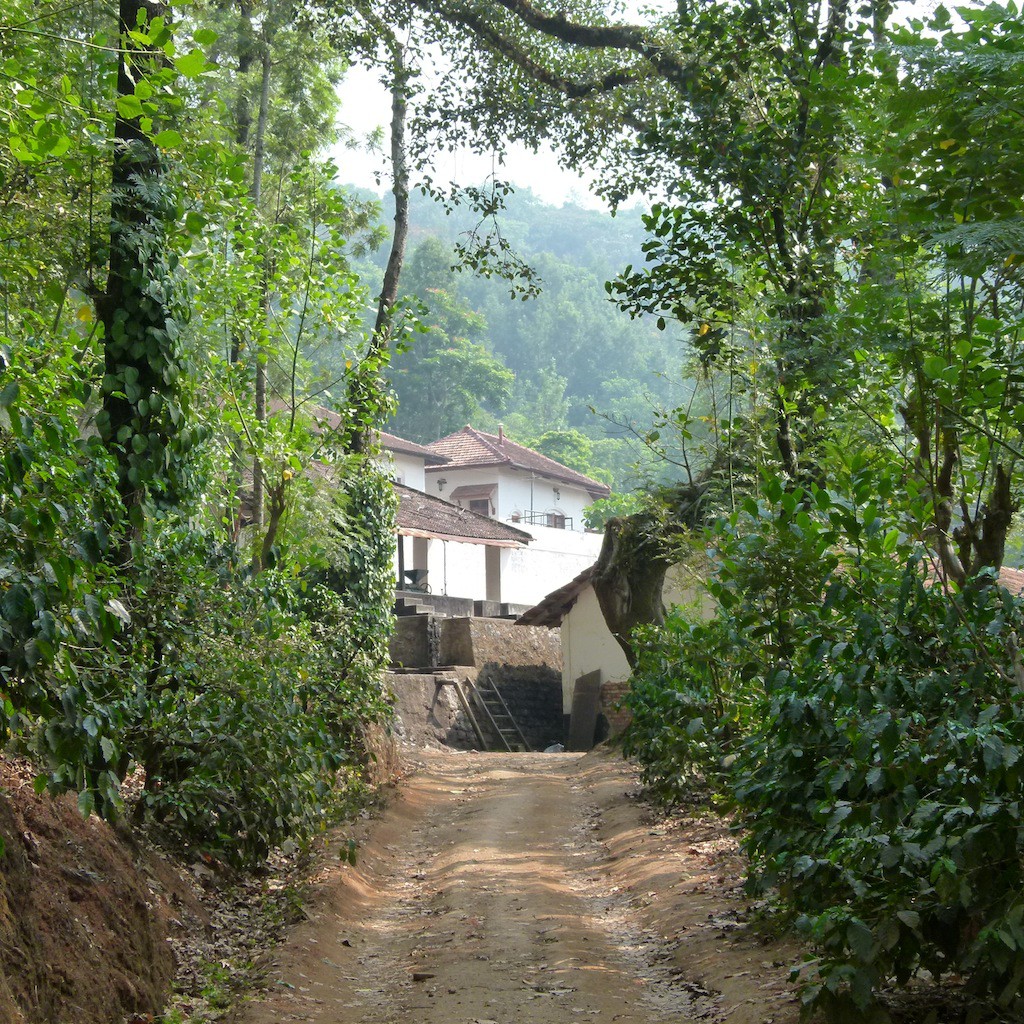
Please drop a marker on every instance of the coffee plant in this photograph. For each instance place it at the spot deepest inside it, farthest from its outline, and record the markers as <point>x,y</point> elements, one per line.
<point>863,720</point>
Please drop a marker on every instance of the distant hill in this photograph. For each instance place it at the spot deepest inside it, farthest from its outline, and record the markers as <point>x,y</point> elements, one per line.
<point>569,348</point>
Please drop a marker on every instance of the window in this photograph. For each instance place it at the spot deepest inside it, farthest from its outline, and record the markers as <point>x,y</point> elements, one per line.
<point>555,520</point>
<point>477,498</point>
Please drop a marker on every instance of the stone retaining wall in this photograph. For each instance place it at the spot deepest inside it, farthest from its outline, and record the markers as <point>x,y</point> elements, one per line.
<point>480,642</point>
<point>428,715</point>
<point>534,698</point>
<point>428,711</point>
<point>524,662</point>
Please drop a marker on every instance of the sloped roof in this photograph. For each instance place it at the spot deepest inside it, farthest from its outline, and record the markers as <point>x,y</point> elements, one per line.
<point>554,608</point>
<point>401,446</point>
<point>423,515</point>
<point>1013,580</point>
<point>392,442</point>
<point>473,448</point>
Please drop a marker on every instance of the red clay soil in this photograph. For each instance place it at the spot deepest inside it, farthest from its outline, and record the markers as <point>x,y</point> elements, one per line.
<point>83,927</point>
<point>529,887</point>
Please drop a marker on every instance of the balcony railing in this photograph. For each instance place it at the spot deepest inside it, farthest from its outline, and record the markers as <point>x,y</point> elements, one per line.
<point>553,519</point>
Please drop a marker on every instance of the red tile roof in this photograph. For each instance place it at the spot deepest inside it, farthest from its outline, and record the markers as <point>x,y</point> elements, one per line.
<point>422,515</point>
<point>471,448</point>
<point>1013,580</point>
<point>401,446</point>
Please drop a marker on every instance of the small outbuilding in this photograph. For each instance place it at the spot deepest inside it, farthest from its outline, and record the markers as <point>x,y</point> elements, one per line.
<point>595,672</point>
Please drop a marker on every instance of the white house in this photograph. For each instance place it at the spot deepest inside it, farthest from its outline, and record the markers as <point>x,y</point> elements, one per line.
<point>451,552</point>
<point>483,520</point>
<point>493,476</point>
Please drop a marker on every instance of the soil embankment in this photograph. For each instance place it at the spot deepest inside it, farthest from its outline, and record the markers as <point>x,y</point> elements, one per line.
<point>84,913</point>
<point>504,887</point>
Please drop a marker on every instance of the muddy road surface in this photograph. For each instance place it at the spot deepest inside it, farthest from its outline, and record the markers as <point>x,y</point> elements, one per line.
<point>532,888</point>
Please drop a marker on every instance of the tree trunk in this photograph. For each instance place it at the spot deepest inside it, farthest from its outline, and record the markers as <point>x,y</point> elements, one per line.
<point>629,577</point>
<point>362,396</point>
<point>136,309</point>
<point>259,156</point>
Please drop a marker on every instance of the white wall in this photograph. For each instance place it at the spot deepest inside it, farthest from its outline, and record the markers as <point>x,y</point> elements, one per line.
<point>457,569</point>
<point>516,491</point>
<point>588,645</point>
<point>521,492</point>
<point>587,642</point>
<point>528,574</point>
<point>406,469</point>
<point>460,478</point>
<point>551,560</point>
<point>684,586</point>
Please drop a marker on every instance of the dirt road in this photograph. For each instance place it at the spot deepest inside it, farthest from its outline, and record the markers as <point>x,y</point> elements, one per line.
<point>527,887</point>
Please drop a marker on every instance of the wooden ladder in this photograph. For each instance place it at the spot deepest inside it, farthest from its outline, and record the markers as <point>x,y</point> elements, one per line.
<point>497,713</point>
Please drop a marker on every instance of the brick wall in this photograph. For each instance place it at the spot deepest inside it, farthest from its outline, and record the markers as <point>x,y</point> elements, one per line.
<point>617,717</point>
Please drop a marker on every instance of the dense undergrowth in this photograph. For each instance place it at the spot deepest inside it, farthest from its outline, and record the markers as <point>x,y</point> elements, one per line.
<point>865,723</point>
<point>242,695</point>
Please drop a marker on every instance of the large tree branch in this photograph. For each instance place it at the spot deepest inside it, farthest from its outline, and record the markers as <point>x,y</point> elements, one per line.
<point>499,43</point>
<point>635,39</point>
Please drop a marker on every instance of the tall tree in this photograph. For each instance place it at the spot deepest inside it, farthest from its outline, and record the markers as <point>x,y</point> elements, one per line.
<point>139,308</point>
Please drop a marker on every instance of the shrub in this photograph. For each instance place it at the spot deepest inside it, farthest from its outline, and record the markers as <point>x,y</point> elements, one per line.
<point>689,703</point>
<point>867,728</point>
<point>883,792</point>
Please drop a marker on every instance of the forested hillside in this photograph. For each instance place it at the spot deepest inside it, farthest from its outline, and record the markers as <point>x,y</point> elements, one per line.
<point>586,381</point>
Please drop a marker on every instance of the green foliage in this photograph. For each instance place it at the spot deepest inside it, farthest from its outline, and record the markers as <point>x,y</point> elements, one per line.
<point>689,702</point>
<point>865,725</point>
<point>252,736</point>
<point>598,512</point>
<point>133,631</point>
<point>61,616</point>
<point>444,378</point>
<point>882,793</point>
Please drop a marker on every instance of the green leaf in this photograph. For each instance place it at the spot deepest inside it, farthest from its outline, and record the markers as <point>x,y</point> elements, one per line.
<point>129,107</point>
<point>911,918</point>
<point>168,139</point>
<point>86,802</point>
<point>192,64</point>
<point>861,940</point>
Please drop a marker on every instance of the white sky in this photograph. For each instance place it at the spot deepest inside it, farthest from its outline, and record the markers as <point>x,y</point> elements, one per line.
<point>366,106</point>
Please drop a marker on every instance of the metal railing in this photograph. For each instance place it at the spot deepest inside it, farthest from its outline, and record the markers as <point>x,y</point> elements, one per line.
<point>552,519</point>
